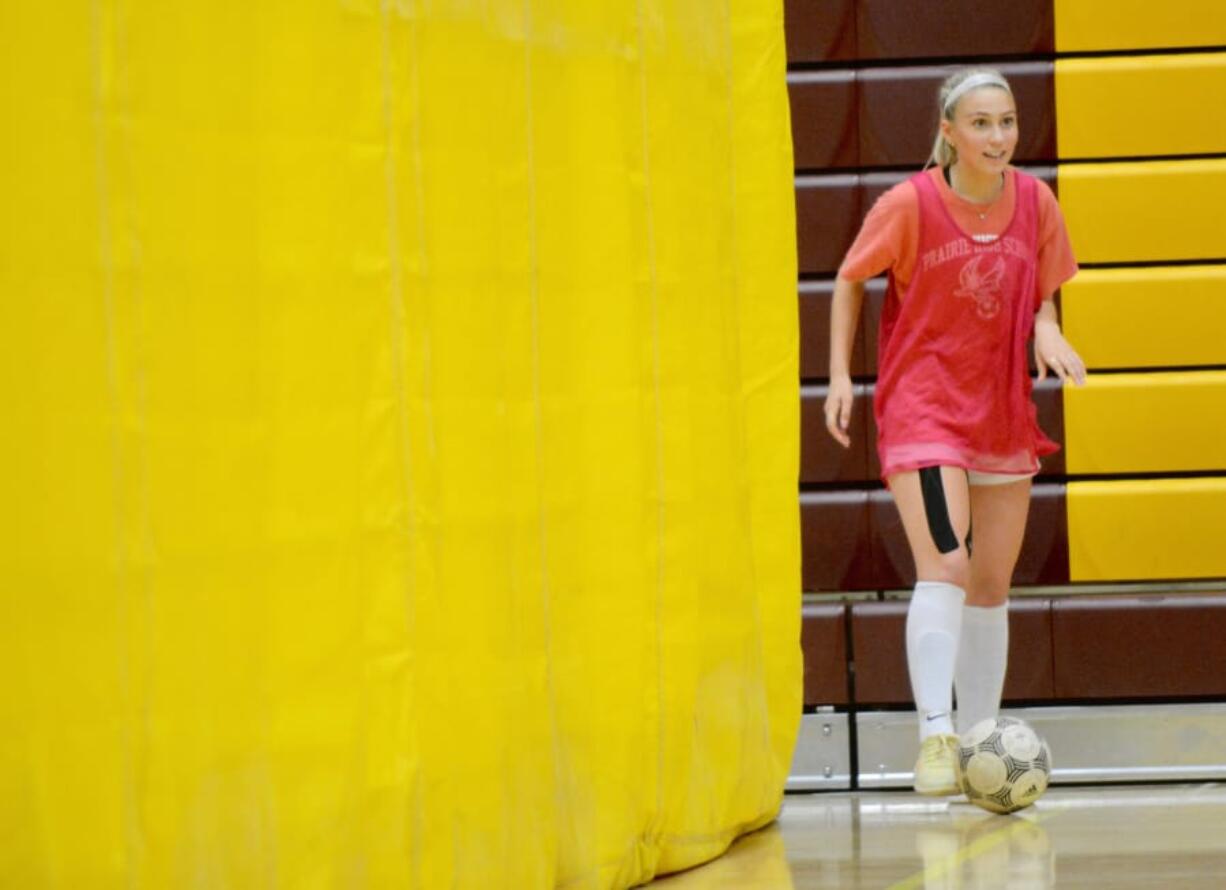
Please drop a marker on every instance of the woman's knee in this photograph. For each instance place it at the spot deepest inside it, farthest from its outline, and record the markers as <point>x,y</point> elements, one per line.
<point>987,590</point>
<point>951,568</point>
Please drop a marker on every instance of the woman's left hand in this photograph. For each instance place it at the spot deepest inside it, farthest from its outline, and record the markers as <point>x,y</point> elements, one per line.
<point>1052,351</point>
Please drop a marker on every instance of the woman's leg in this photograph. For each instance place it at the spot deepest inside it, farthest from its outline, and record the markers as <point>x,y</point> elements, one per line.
<point>998,514</point>
<point>934,505</point>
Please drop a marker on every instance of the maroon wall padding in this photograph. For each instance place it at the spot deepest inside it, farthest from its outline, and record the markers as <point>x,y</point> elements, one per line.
<point>822,459</point>
<point>1113,647</point>
<point>815,299</point>
<point>837,546</point>
<point>828,30</point>
<point>820,30</point>
<point>830,208</point>
<point>825,130</point>
<point>878,640</point>
<point>1031,674</point>
<point>828,215</point>
<point>916,29</point>
<point>1044,556</point>
<point>897,113</point>
<point>823,638</point>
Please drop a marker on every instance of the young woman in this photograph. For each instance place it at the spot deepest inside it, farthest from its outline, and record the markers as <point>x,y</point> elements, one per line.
<point>975,249</point>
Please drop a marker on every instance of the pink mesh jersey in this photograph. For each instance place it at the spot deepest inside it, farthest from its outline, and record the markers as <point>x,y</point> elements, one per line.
<point>954,386</point>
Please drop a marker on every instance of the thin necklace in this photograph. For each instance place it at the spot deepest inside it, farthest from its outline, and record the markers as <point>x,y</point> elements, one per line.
<point>987,208</point>
<point>983,214</point>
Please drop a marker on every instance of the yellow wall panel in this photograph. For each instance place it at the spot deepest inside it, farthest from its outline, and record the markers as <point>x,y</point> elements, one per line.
<point>1146,529</point>
<point>401,444</point>
<point>1083,25</point>
<point>1144,317</point>
<point>1163,422</point>
<point>1097,100</point>
<point>1138,211</point>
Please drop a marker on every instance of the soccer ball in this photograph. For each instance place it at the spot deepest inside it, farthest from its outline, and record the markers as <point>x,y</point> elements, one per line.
<point>1005,765</point>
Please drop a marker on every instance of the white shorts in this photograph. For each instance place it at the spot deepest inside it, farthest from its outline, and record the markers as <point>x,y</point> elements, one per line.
<point>974,477</point>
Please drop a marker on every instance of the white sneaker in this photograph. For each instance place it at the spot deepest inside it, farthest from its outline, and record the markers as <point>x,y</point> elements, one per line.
<point>936,768</point>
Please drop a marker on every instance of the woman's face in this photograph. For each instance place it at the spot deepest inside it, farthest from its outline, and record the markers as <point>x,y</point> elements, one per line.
<point>984,130</point>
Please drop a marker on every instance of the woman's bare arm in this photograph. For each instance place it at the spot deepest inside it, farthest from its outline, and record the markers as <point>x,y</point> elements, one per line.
<point>844,317</point>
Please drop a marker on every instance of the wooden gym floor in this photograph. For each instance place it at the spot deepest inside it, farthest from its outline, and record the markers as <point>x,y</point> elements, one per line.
<point>1152,836</point>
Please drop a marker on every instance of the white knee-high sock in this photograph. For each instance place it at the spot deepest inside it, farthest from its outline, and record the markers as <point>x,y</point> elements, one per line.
<point>934,622</point>
<point>982,655</point>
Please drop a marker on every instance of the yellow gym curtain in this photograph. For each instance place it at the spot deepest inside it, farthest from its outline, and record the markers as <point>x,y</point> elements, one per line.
<point>401,441</point>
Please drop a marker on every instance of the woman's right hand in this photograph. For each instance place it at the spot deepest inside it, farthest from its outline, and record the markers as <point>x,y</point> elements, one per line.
<point>838,410</point>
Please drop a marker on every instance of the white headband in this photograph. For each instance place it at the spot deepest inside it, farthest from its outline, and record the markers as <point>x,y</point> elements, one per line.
<point>974,82</point>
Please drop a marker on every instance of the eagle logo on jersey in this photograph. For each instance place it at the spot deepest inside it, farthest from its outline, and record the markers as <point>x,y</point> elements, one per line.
<point>981,280</point>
